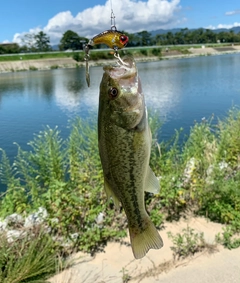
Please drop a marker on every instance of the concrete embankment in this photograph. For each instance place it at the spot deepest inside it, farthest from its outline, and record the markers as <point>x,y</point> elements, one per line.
<point>41,64</point>
<point>46,64</point>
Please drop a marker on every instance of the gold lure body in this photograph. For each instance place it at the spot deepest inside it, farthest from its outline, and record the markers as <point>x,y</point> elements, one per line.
<point>112,38</point>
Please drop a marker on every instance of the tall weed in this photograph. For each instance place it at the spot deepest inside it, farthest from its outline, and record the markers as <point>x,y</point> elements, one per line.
<point>65,176</point>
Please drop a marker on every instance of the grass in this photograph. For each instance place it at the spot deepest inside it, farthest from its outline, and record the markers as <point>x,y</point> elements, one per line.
<point>97,55</point>
<point>79,56</point>
<point>200,175</point>
<point>188,243</point>
<point>30,259</point>
<point>47,55</point>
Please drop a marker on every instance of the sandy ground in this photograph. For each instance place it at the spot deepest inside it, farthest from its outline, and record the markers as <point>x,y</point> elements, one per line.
<point>222,266</point>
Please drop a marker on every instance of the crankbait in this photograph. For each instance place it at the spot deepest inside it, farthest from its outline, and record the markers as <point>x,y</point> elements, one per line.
<point>112,38</point>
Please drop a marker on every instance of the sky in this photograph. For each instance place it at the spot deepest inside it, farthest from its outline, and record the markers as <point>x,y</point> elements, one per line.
<point>90,17</point>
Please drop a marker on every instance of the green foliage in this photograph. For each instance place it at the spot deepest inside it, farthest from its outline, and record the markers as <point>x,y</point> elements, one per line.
<point>98,55</point>
<point>78,57</point>
<point>203,174</point>
<point>9,48</point>
<point>32,68</point>
<point>200,174</point>
<point>186,243</point>
<point>29,259</point>
<point>156,51</point>
<point>144,52</point>
<point>125,276</point>
<point>71,40</point>
<point>54,67</point>
<point>65,177</point>
<point>230,237</point>
<point>229,133</point>
<point>42,42</point>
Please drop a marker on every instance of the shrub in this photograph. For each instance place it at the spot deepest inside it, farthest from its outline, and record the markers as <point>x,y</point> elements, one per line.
<point>77,57</point>
<point>29,259</point>
<point>187,243</point>
<point>32,68</point>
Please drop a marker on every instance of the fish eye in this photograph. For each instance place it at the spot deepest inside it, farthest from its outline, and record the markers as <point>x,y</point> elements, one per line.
<point>113,92</point>
<point>124,39</point>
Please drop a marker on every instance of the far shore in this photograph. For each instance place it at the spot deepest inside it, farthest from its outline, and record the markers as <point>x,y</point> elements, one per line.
<point>47,64</point>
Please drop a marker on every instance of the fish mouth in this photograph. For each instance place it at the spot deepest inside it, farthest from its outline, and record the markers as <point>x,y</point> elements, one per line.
<point>124,70</point>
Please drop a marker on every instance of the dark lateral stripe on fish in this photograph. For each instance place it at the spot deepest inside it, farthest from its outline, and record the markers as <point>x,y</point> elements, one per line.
<point>133,193</point>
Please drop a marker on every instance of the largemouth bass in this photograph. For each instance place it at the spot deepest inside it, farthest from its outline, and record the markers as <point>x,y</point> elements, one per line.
<point>124,139</point>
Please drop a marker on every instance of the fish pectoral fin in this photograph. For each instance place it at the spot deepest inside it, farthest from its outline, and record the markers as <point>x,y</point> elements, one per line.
<point>110,193</point>
<point>152,184</point>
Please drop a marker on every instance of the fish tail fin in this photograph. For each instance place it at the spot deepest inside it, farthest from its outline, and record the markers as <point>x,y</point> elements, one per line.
<point>143,241</point>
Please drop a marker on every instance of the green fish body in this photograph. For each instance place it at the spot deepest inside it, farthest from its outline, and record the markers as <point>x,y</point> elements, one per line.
<point>124,140</point>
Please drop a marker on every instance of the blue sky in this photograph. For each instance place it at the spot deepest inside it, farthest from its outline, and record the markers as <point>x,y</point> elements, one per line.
<point>89,17</point>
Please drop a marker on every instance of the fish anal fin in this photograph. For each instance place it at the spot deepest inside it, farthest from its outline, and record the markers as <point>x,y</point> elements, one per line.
<point>152,184</point>
<point>148,239</point>
<point>111,194</point>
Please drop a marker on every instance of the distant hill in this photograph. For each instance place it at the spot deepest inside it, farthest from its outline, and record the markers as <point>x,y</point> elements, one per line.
<point>174,30</point>
<point>55,47</point>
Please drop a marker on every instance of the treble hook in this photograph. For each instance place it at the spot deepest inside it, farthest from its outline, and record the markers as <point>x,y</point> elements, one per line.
<point>116,55</point>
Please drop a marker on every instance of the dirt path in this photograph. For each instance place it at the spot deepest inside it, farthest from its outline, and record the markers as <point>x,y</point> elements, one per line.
<point>117,262</point>
<point>221,267</point>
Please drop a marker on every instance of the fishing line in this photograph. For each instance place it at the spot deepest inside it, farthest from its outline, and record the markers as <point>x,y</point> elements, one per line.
<point>113,25</point>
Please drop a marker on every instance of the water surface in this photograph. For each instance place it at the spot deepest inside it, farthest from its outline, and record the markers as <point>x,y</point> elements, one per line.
<point>179,90</point>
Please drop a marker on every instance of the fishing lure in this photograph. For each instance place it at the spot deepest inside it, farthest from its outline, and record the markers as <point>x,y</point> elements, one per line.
<point>112,38</point>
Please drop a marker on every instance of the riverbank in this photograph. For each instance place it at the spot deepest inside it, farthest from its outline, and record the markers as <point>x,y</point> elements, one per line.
<point>55,63</point>
<point>116,263</point>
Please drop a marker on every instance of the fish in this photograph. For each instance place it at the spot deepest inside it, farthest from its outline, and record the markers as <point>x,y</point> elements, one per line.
<point>124,141</point>
<point>112,38</point>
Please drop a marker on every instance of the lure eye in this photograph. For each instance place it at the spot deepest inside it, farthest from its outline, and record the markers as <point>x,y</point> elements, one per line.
<point>124,39</point>
<point>113,92</point>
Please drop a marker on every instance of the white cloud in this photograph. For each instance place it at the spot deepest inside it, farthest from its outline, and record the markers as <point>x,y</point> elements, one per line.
<point>227,26</point>
<point>131,16</point>
<point>231,13</point>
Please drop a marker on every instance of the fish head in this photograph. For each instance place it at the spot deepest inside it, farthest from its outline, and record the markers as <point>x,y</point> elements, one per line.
<point>121,94</point>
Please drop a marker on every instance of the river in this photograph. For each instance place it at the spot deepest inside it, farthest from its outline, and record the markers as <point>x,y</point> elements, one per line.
<point>181,91</point>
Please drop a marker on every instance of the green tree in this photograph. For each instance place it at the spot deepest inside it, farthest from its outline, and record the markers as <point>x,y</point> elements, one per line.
<point>160,39</point>
<point>42,42</point>
<point>7,48</point>
<point>170,38</point>
<point>29,42</point>
<point>211,36</point>
<point>146,38</point>
<point>71,40</point>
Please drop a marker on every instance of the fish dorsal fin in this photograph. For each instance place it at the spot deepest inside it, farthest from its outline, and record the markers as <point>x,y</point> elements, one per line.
<point>110,193</point>
<point>152,184</point>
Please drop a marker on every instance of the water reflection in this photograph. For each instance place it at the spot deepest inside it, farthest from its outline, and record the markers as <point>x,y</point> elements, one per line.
<point>181,91</point>
<point>160,91</point>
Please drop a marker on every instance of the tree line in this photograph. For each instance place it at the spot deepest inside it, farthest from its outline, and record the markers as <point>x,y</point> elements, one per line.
<point>70,40</point>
